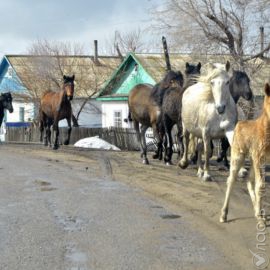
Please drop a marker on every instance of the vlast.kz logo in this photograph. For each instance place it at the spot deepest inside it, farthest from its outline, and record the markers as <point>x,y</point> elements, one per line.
<point>260,260</point>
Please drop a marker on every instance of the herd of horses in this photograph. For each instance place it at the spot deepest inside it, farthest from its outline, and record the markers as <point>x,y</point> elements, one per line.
<point>202,105</point>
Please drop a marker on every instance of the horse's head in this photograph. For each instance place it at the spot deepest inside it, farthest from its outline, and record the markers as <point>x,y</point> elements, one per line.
<point>68,86</point>
<point>193,70</point>
<point>241,82</point>
<point>172,79</point>
<point>6,99</point>
<point>218,80</point>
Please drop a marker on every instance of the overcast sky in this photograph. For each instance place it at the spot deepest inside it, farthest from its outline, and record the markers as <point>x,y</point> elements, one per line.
<point>25,21</point>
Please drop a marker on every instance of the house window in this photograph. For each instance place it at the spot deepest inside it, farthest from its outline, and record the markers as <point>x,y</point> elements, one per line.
<point>21,114</point>
<point>117,119</point>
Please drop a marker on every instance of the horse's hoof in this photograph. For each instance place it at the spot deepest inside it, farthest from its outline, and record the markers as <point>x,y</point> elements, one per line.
<point>243,173</point>
<point>200,174</point>
<point>219,159</point>
<point>223,219</point>
<point>155,156</point>
<point>207,178</point>
<point>145,161</point>
<point>55,147</point>
<point>66,142</point>
<point>261,221</point>
<point>168,163</point>
<point>183,164</point>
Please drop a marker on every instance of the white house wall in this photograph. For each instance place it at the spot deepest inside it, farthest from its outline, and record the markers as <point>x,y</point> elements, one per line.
<point>15,116</point>
<point>90,116</point>
<point>108,109</point>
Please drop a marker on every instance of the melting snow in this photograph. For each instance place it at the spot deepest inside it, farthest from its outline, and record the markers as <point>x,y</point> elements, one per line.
<point>97,143</point>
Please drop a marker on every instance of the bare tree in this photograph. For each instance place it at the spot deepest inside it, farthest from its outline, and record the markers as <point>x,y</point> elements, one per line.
<point>227,26</point>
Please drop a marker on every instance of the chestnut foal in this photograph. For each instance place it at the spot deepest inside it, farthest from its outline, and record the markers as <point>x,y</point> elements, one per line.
<point>251,138</point>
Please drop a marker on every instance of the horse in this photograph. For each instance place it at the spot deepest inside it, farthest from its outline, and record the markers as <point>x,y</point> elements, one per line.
<point>171,109</point>
<point>55,106</point>
<point>251,138</point>
<point>5,104</point>
<point>239,87</point>
<point>143,105</point>
<point>208,112</point>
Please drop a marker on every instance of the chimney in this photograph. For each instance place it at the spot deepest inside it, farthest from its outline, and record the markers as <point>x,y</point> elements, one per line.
<point>96,51</point>
<point>262,38</point>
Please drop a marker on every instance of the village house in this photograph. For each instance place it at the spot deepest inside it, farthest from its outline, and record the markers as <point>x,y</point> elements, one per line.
<point>102,85</point>
<point>28,76</point>
<point>151,68</point>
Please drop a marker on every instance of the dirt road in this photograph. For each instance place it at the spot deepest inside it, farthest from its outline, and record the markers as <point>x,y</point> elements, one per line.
<point>78,209</point>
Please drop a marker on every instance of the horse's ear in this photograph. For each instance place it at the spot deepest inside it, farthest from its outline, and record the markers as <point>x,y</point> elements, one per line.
<point>187,65</point>
<point>199,66</point>
<point>73,77</point>
<point>267,89</point>
<point>228,66</point>
<point>64,77</point>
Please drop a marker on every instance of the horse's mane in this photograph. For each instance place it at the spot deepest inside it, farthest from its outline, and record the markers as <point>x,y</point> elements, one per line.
<point>160,88</point>
<point>206,80</point>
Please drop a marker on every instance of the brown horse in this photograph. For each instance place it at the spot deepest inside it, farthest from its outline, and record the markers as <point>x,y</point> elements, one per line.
<point>251,138</point>
<point>144,109</point>
<point>56,106</point>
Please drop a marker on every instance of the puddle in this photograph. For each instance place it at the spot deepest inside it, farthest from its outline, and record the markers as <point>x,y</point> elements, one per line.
<point>157,206</point>
<point>76,257</point>
<point>48,189</point>
<point>170,216</point>
<point>42,183</point>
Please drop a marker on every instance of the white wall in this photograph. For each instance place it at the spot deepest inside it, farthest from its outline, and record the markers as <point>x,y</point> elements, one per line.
<point>15,116</point>
<point>108,109</point>
<point>90,116</point>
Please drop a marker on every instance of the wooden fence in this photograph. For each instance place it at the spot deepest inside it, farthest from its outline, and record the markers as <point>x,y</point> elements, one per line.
<point>123,138</point>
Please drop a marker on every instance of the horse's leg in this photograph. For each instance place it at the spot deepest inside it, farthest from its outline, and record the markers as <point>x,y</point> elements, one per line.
<point>143,143</point>
<point>56,135</point>
<point>47,131</point>
<point>168,133</point>
<point>183,163</point>
<point>199,151</point>
<point>237,160</point>
<point>141,139</point>
<point>259,171</point>
<point>180,140</point>
<point>66,142</point>
<point>207,153</point>
<point>251,186</point>
<point>41,129</point>
<point>158,134</point>
<point>223,154</point>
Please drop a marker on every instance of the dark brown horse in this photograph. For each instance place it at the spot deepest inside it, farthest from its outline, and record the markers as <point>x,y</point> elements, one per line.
<point>54,107</point>
<point>5,104</point>
<point>171,109</point>
<point>144,109</point>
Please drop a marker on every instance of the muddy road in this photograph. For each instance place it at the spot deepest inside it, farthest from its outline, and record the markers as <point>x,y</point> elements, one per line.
<point>82,209</point>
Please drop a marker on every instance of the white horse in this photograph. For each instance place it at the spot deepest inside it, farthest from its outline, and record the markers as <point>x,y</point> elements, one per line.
<point>208,112</point>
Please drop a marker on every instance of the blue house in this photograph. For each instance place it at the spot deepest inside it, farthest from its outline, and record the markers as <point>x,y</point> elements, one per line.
<point>11,82</point>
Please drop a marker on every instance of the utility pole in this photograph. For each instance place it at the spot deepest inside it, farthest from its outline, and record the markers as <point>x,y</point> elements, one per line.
<point>166,54</point>
<point>262,39</point>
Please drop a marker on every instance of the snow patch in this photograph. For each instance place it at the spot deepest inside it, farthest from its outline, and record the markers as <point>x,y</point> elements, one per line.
<point>96,143</point>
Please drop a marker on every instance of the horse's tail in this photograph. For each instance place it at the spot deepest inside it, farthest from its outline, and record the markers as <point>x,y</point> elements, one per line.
<point>129,118</point>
